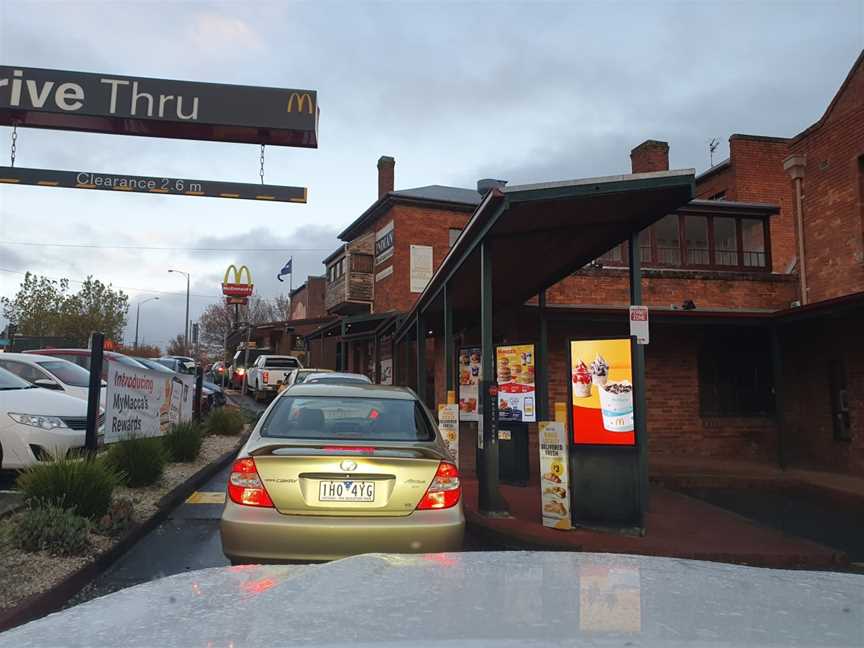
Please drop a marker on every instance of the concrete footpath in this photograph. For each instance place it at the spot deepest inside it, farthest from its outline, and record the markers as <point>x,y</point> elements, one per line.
<point>676,525</point>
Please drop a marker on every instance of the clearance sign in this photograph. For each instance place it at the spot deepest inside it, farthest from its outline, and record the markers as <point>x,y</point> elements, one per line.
<point>107,103</point>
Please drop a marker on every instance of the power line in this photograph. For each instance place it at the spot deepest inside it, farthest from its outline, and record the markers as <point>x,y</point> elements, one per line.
<point>144,290</point>
<point>93,246</point>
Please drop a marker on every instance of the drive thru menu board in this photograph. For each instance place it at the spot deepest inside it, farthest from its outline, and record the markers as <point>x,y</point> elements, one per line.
<point>469,378</point>
<point>515,372</point>
<point>554,476</point>
<point>601,381</point>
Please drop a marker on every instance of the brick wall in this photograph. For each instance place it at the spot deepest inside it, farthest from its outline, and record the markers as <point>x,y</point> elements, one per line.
<point>834,196</point>
<point>721,180</point>
<point>759,177</point>
<point>663,288</point>
<point>413,225</point>
<point>808,421</point>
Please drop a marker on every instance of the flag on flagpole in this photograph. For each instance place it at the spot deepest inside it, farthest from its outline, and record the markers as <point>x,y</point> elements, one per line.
<point>286,269</point>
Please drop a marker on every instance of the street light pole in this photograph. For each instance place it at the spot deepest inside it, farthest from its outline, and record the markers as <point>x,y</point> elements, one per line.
<point>138,317</point>
<point>186,321</point>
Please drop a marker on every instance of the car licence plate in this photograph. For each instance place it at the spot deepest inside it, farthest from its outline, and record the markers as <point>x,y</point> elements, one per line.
<point>346,490</point>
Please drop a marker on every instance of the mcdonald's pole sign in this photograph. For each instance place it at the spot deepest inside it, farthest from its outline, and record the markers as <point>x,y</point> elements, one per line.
<point>237,291</point>
<point>107,103</point>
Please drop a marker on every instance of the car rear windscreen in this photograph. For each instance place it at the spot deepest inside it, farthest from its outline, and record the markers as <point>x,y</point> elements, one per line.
<point>281,363</point>
<point>354,419</point>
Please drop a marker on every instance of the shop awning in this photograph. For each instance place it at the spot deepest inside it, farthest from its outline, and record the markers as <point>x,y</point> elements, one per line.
<point>541,233</point>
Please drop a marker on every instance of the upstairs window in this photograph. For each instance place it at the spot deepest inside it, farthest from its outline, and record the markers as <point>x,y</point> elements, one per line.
<point>453,235</point>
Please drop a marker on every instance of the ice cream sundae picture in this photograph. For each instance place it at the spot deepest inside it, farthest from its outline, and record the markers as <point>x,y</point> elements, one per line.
<point>616,404</point>
<point>581,380</point>
<point>599,370</point>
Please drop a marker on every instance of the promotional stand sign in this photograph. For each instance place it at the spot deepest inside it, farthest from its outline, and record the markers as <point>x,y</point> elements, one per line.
<point>514,366</point>
<point>469,380</point>
<point>554,475</point>
<point>601,386</point>
<point>145,403</point>
<point>448,423</point>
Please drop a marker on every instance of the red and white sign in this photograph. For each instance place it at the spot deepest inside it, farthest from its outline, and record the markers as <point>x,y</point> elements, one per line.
<point>639,323</point>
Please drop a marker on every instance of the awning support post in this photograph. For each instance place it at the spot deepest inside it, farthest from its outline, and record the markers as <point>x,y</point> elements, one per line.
<point>490,500</point>
<point>541,360</point>
<point>640,414</point>
<point>449,351</point>
<point>421,356</point>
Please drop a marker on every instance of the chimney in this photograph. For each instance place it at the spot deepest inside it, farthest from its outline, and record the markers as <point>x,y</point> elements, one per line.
<point>386,174</point>
<point>650,155</point>
<point>484,185</point>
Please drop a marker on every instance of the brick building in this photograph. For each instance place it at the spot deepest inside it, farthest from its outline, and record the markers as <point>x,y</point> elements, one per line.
<point>755,289</point>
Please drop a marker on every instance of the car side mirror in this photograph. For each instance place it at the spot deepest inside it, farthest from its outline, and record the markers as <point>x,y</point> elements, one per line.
<point>46,383</point>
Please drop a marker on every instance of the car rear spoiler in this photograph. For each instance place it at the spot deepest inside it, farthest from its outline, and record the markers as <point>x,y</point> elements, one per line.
<point>327,448</point>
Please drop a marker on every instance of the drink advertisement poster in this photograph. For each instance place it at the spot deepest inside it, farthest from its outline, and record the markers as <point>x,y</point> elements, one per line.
<point>448,424</point>
<point>554,475</point>
<point>516,396</point>
<point>601,382</point>
<point>145,403</point>
<point>469,380</point>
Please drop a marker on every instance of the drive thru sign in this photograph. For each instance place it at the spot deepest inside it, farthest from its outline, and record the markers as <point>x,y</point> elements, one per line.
<point>639,323</point>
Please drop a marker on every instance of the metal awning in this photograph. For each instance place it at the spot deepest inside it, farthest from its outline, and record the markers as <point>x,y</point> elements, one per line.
<point>541,233</point>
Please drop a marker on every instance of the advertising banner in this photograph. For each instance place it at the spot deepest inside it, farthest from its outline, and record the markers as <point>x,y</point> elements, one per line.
<point>469,379</point>
<point>516,397</point>
<point>448,423</point>
<point>601,382</point>
<point>421,267</point>
<point>384,242</point>
<point>554,475</point>
<point>387,371</point>
<point>145,403</point>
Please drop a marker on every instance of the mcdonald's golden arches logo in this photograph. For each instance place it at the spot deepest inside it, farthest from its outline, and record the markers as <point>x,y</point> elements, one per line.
<point>237,288</point>
<point>302,99</point>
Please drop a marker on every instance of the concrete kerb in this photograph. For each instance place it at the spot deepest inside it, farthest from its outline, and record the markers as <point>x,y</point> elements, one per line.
<point>43,603</point>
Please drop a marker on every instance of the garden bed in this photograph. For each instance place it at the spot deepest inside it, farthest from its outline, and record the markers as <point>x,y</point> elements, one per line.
<point>26,575</point>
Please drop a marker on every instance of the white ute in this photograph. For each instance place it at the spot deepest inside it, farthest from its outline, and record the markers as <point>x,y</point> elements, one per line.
<point>269,373</point>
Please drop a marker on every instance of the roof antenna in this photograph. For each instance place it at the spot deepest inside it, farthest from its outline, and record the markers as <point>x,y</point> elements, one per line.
<point>712,146</point>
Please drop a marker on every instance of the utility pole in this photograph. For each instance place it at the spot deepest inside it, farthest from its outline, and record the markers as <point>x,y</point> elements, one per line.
<point>186,320</point>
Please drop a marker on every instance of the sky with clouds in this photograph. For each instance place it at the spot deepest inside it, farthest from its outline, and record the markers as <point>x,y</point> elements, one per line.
<point>454,91</point>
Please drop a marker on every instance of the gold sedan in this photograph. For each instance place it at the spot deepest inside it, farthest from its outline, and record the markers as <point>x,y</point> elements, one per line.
<point>334,470</point>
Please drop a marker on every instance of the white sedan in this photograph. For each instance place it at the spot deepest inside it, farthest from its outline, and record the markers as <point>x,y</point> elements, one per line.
<point>49,372</point>
<point>37,423</point>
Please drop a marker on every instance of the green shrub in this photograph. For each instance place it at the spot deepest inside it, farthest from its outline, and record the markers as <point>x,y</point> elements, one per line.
<point>119,517</point>
<point>81,485</point>
<point>225,421</point>
<point>141,460</point>
<point>51,528</point>
<point>183,441</point>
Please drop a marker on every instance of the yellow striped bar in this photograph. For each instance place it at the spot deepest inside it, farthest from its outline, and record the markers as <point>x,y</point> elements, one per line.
<point>151,184</point>
<point>206,497</point>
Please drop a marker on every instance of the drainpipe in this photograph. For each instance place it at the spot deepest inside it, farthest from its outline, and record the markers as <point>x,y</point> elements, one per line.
<point>794,165</point>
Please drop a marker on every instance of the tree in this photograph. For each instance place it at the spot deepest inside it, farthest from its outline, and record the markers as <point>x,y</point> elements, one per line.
<point>217,320</point>
<point>281,308</point>
<point>143,350</point>
<point>176,346</point>
<point>46,307</point>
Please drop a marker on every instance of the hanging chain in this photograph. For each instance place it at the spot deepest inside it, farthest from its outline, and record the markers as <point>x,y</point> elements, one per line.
<point>261,170</point>
<point>14,142</point>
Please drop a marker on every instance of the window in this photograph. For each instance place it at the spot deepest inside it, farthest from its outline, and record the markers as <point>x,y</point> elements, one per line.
<point>614,257</point>
<point>735,377</point>
<point>453,235</point>
<point>696,238</point>
<point>753,242</point>
<point>67,372</point>
<point>668,241</point>
<point>720,195</point>
<point>645,251</point>
<point>725,242</point>
<point>338,418</point>
<point>24,371</point>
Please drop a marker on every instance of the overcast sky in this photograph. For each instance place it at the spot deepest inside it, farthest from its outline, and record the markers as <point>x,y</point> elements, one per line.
<point>454,91</point>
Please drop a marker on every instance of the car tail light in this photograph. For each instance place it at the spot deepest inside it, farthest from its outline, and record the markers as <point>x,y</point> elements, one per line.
<point>240,371</point>
<point>266,376</point>
<point>445,489</point>
<point>245,485</point>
